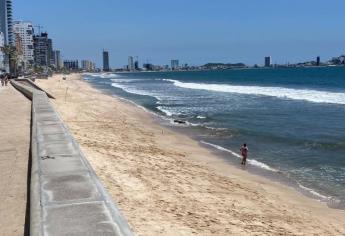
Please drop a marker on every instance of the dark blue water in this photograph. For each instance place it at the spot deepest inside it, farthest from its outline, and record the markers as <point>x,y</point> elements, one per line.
<point>292,119</point>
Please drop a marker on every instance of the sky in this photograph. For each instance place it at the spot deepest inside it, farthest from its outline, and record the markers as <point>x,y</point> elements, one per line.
<point>193,31</point>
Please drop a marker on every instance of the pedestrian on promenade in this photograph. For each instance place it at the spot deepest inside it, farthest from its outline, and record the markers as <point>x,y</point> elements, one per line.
<point>244,153</point>
<point>2,78</point>
<point>7,78</point>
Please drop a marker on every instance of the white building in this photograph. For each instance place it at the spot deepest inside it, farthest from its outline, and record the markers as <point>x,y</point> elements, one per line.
<point>25,31</point>
<point>130,63</point>
<point>88,65</point>
<point>2,43</point>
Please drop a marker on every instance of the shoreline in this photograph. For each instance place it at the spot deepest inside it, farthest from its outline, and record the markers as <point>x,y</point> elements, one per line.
<point>256,167</point>
<point>189,189</point>
<point>266,172</point>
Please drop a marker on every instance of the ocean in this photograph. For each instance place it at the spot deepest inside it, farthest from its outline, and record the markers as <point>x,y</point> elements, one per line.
<point>292,119</point>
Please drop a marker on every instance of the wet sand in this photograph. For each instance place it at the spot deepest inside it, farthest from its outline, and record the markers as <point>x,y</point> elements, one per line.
<point>165,183</point>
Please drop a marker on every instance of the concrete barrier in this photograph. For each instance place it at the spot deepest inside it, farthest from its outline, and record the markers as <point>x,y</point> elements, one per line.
<point>66,196</point>
<point>30,83</point>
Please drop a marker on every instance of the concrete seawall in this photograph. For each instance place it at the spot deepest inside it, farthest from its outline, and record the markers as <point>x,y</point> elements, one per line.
<point>66,196</point>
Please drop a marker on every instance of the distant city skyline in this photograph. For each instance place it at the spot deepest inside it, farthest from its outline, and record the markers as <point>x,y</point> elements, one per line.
<point>195,32</point>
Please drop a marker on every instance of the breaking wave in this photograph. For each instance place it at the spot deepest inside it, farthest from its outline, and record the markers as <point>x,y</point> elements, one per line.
<point>316,96</point>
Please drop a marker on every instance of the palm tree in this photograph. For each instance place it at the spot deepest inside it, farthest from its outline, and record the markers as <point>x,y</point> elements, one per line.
<point>10,57</point>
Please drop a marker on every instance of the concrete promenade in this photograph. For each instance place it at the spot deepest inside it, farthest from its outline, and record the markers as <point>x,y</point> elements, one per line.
<point>66,196</point>
<point>15,116</point>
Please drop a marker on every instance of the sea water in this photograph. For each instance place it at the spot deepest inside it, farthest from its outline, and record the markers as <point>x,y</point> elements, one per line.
<point>293,119</point>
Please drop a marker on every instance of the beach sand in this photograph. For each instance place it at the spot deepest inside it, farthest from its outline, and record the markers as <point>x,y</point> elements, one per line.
<point>165,183</point>
<point>15,116</point>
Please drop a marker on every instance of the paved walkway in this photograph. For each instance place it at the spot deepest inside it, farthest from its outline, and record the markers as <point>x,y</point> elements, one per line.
<point>15,111</point>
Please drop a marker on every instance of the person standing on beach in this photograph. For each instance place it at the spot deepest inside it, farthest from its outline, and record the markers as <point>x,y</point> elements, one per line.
<point>244,153</point>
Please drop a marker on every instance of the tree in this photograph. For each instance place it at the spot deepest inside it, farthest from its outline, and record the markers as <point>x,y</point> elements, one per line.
<point>10,57</point>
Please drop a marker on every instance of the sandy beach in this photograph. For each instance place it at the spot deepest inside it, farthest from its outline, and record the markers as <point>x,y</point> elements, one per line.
<point>165,183</point>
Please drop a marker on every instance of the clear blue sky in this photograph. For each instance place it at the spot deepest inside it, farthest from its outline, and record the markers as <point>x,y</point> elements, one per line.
<point>194,31</point>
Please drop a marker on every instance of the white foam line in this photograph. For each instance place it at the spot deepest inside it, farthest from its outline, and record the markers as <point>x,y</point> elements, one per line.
<point>145,109</point>
<point>166,112</point>
<point>118,80</point>
<point>103,75</point>
<point>251,161</point>
<point>264,166</point>
<point>316,96</point>
<point>313,192</point>
<point>201,117</point>
<point>134,91</point>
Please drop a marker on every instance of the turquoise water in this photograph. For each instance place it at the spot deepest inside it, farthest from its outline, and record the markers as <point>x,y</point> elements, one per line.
<point>293,119</point>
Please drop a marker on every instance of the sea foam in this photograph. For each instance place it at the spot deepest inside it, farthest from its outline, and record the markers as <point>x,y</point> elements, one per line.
<point>132,90</point>
<point>102,75</point>
<point>316,96</point>
<point>313,192</point>
<point>165,111</point>
<point>251,161</point>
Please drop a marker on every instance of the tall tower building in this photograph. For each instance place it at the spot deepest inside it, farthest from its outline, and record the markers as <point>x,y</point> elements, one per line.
<point>268,61</point>
<point>58,60</point>
<point>130,63</point>
<point>51,57</point>
<point>106,61</point>
<point>25,31</point>
<point>136,64</point>
<point>6,21</point>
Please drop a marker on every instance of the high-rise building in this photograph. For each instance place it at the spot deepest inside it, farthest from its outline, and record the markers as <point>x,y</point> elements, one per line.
<point>42,50</point>
<point>136,65</point>
<point>268,62</point>
<point>6,29</point>
<point>71,64</point>
<point>6,21</point>
<point>87,65</point>
<point>2,58</point>
<point>51,56</point>
<point>25,32</point>
<point>58,60</point>
<point>106,61</point>
<point>130,63</point>
<point>174,64</point>
<point>317,61</point>
<point>52,59</point>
